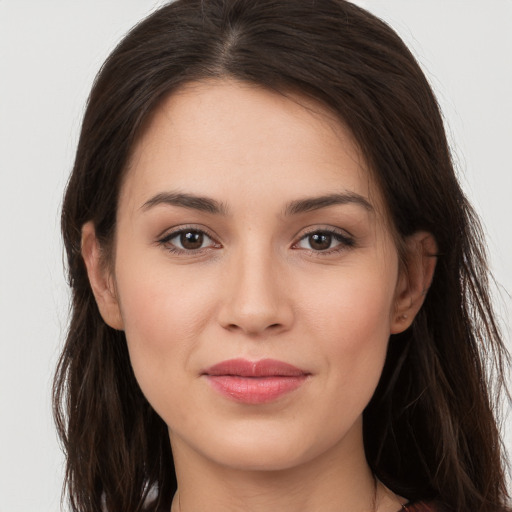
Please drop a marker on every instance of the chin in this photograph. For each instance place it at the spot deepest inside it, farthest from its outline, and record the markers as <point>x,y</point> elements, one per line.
<point>261,457</point>
<point>270,446</point>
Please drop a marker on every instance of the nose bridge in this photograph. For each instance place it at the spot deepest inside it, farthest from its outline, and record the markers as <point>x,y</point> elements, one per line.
<point>255,300</point>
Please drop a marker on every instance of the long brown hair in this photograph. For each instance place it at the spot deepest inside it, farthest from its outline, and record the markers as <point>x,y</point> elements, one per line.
<point>430,430</point>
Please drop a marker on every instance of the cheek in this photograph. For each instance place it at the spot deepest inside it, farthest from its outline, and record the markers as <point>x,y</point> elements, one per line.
<point>164,314</point>
<point>351,323</point>
<point>355,305</point>
<point>157,311</point>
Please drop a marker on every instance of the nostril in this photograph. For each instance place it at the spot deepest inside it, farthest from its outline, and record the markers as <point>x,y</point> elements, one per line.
<point>251,329</point>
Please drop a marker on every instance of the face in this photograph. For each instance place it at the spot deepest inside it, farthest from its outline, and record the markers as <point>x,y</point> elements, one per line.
<point>255,276</point>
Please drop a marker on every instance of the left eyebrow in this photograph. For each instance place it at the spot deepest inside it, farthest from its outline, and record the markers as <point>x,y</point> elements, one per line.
<point>316,203</point>
<point>189,201</point>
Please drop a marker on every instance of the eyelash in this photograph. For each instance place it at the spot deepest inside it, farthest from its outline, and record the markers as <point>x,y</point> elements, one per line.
<point>165,241</point>
<point>346,241</point>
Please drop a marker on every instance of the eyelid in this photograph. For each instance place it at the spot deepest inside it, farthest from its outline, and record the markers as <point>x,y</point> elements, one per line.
<point>175,231</point>
<point>346,239</point>
<point>323,228</point>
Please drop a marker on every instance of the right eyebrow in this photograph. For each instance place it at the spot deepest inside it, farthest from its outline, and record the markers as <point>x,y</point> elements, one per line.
<point>190,201</point>
<point>316,203</point>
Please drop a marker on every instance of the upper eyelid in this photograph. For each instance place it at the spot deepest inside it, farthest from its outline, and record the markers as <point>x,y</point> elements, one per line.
<point>346,239</point>
<point>175,234</point>
<point>165,242</point>
<point>322,229</point>
<point>170,233</point>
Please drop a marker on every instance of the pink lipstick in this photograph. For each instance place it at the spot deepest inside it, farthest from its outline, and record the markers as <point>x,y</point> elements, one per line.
<point>254,382</point>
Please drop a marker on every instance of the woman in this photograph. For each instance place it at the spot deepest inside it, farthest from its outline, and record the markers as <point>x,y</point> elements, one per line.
<point>279,289</point>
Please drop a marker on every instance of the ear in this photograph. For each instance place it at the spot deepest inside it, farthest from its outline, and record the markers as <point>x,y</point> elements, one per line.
<point>414,279</point>
<point>102,282</point>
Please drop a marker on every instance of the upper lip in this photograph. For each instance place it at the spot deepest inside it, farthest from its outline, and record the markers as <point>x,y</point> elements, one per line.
<point>261,368</point>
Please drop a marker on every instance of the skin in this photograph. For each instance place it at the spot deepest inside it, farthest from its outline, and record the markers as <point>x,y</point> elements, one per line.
<point>258,287</point>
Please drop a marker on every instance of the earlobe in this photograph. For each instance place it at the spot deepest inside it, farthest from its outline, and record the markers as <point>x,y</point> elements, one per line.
<point>414,280</point>
<point>100,278</point>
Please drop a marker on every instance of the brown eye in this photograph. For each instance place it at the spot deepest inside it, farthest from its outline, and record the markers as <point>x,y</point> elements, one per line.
<point>191,240</point>
<point>320,241</point>
<point>327,241</point>
<point>187,240</point>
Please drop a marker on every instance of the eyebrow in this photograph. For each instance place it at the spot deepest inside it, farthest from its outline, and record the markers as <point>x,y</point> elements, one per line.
<point>209,205</point>
<point>190,201</point>
<point>316,203</point>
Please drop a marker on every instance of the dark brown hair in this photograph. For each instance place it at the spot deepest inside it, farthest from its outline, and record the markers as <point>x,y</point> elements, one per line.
<point>430,430</point>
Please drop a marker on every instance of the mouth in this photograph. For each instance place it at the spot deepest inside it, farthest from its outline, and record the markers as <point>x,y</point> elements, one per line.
<point>254,382</point>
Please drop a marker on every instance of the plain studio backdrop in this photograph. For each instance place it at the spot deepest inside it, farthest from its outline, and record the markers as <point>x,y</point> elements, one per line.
<point>50,52</point>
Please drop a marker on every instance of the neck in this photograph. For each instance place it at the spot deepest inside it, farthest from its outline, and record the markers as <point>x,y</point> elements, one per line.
<point>336,481</point>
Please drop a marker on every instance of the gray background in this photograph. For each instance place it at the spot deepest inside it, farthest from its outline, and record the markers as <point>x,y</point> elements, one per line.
<point>49,53</point>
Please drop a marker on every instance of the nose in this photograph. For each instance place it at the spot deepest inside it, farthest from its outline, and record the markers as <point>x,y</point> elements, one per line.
<point>256,298</point>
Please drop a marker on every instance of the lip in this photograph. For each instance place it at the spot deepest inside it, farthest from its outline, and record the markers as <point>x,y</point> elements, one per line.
<point>254,382</point>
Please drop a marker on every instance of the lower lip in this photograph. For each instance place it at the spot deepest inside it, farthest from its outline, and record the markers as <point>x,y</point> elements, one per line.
<point>255,390</point>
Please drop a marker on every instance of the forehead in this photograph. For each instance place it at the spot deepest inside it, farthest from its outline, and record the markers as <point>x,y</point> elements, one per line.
<point>221,136</point>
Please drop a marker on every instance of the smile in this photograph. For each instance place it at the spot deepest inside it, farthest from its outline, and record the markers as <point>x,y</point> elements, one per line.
<point>254,382</point>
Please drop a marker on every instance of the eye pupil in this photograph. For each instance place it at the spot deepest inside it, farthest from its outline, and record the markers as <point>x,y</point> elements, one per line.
<point>320,241</point>
<point>191,240</point>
